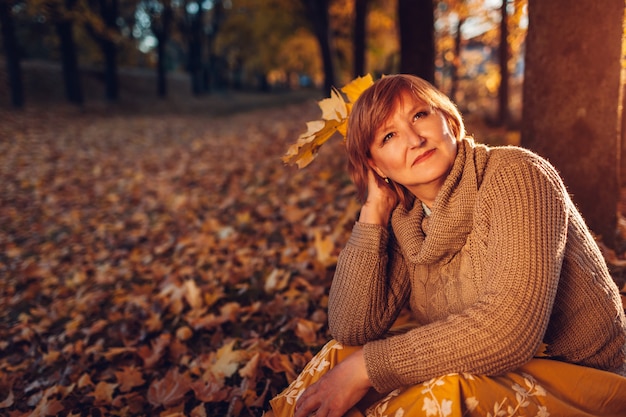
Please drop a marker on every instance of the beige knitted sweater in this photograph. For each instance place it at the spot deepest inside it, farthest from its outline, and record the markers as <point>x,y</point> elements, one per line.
<point>504,262</point>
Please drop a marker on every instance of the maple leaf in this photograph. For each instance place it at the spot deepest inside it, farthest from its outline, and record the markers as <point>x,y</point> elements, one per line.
<point>277,280</point>
<point>335,112</point>
<point>170,390</point>
<point>103,394</point>
<point>152,355</point>
<point>333,107</point>
<point>226,361</point>
<point>307,330</point>
<point>279,362</point>
<point>193,295</point>
<point>356,87</point>
<point>129,377</point>
<point>304,151</point>
<point>209,389</point>
<point>324,247</point>
<point>250,370</point>
<point>48,407</point>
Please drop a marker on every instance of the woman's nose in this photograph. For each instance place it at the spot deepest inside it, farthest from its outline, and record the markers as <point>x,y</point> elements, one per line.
<point>414,138</point>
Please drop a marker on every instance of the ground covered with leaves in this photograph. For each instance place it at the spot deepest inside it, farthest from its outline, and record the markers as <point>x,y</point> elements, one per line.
<point>163,263</point>
<point>158,264</point>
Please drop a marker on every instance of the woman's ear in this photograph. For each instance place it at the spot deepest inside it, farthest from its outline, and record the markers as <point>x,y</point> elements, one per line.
<point>375,168</point>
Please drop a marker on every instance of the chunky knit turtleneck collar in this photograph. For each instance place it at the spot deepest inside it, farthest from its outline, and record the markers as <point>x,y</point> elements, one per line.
<point>437,237</point>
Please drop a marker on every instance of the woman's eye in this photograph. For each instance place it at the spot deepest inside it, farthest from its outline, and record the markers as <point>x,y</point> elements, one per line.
<point>387,137</point>
<point>420,114</point>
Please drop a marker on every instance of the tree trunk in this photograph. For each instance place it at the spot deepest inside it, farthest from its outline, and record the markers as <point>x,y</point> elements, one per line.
<point>196,34</point>
<point>12,54</point>
<point>503,91</point>
<point>318,13</point>
<point>417,38</point>
<point>109,11</point>
<point>212,71</point>
<point>360,36</point>
<point>162,33</point>
<point>571,101</point>
<point>69,59</point>
<point>456,64</point>
<point>110,72</point>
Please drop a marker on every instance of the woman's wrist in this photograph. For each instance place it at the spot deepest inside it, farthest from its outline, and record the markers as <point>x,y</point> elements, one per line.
<point>375,213</point>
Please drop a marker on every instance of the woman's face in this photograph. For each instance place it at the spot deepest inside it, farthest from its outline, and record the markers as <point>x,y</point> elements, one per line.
<point>415,148</point>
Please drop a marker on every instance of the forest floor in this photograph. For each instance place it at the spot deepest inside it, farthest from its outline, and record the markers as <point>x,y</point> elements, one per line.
<point>158,258</point>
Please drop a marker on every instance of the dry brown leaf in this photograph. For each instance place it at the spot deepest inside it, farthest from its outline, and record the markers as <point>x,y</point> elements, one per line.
<point>103,393</point>
<point>226,361</point>
<point>209,389</point>
<point>307,330</point>
<point>250,370</point>
<point>170,390</point>
<point>152,354</point>
<point>128,378</point>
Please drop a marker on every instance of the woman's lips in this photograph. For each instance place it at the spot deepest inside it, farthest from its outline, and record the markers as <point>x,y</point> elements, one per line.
<point>423,156</point>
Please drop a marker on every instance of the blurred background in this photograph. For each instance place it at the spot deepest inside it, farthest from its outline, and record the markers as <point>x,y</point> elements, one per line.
<point>116,50</point>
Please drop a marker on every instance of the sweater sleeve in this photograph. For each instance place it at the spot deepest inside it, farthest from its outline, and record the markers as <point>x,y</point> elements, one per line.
<point>369,288</point>
<point>524,207</point>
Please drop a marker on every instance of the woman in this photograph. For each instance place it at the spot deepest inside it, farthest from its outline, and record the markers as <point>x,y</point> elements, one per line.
<point>515,312</point>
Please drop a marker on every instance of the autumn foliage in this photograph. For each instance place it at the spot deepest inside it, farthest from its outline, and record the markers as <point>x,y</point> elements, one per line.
<point>162,264</point>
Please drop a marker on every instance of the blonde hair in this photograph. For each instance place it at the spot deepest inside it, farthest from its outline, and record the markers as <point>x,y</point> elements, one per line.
<point>373,108</point>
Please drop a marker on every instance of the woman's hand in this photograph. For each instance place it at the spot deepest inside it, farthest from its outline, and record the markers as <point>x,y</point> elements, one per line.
<point>337,391</point>
<point>381,200</point>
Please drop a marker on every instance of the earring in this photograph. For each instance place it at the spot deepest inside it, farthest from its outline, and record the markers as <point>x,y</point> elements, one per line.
<point>387,180</point>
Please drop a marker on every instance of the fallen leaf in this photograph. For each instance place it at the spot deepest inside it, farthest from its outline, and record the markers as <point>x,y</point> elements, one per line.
<point>170,390</point>
<point>103,393</point>
<point>129,377</point>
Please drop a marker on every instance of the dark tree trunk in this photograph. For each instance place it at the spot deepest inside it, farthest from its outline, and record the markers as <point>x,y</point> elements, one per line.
<point>162,33</point>
<point>318,13</point>
<point>571,101</point>
<point>196,35</point>
<point>109,11</point>
<point>12,54</point>
<point>503,92</point>
<point>456,64</point>
<point>360,36</point>
<point>212,71</point>
<point>417,38</point>
<point>69,58</point>
<point>110,71</point>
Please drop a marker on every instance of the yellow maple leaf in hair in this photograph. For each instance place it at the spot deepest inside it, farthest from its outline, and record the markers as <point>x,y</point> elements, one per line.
<point>355,87</point>
<point>307,146</point>
<point>333,107</point>
<point>335,112</point>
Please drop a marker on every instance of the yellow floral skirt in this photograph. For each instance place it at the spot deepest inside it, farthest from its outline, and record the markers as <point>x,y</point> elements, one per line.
<point>542,387</point>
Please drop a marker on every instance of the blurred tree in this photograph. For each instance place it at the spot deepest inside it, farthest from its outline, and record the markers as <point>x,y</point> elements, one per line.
<point>11,49</point>
<point>161,18</point>
<point>417,38</point>
<point>62,13</point>
<point>317,10</point>
<point>255,38</point>
<point>360,36</point>
<point>571,100</point>
<point>503,54</point>
<point>213,77</point>
<point>382,38</point>
<point>193,27</point>
<point>103,29</point>
<point>450,41</point>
